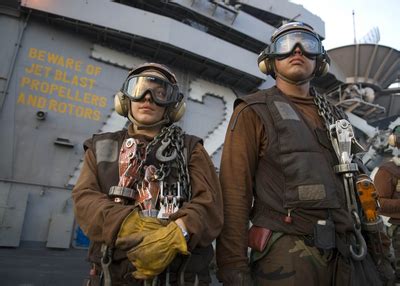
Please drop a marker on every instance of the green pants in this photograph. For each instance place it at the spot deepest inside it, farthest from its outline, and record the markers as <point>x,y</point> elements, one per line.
<point>394,233</point>
<point>288,261</point>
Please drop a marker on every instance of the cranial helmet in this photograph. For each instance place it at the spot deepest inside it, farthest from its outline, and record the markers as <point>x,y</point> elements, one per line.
<point>131,90</point>
<point>283,43</point>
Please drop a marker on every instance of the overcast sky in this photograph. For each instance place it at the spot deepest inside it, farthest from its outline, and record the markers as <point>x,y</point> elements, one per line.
<point>338,18</point>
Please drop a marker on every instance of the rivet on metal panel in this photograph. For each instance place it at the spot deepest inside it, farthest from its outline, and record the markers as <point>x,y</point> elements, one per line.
<point>41,115</point>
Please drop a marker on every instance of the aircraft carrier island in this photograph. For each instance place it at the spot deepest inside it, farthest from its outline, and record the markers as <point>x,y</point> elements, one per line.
<point>63,61</point>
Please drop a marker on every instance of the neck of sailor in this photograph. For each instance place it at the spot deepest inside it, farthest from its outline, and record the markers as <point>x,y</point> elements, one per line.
<point>293,73</point>
<point>292,89</point>
<point>147,131</point>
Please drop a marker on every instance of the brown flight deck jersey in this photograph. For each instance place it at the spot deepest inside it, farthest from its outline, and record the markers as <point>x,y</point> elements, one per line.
<point>387,183</point>
<point>243,149</point>
<point>100,218</point>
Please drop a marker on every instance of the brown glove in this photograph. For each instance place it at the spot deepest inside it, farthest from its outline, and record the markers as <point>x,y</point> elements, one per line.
<point>138,225</point>
<point>156,251</point>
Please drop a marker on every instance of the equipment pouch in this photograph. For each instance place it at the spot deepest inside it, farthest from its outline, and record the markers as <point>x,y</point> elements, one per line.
<point>324,234</point>
<point>258,237</point>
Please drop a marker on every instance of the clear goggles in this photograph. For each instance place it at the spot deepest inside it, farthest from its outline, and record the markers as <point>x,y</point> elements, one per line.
<point>285,44</point>
<point>162,91</point>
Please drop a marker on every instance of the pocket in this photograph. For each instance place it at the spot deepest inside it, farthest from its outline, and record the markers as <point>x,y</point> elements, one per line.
<point>324,234</point>
<point>257,255</point>
<point>258,237</point>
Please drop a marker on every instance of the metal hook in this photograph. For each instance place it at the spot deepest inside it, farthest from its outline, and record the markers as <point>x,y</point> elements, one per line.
<point>362,246</point>
<point>161,149</point>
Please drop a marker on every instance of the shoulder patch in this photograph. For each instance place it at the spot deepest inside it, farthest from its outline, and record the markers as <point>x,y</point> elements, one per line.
<point>106,150</point>
<point>311,192</point>
<point>286,111</point>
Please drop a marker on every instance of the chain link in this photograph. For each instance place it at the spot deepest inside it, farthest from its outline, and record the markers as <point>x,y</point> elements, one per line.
<point>175,135</point>
<point>358,250</point>
<point>324,110</point>
<point>177,142</point>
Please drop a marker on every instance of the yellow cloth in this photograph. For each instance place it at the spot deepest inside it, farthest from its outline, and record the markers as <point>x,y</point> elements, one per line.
<point>156,250</point>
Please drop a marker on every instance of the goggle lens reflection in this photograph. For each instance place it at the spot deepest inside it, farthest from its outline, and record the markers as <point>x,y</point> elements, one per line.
<point>162,92</point>
<point>286,43</point>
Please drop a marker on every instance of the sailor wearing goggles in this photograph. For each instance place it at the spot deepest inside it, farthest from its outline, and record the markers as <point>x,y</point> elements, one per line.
<point>278,172</point>
<point>150,97</point>
<point>292,39</point>
<point>148,195</point>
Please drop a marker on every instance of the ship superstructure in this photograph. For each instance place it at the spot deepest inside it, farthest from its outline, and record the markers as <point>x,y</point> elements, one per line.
<point>63,61</point>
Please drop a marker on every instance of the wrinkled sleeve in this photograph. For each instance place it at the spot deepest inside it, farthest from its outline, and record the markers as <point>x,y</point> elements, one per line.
<point>98,216</point>
<point>384,185</point>
<point>243,146</point>
<point>203,215</point>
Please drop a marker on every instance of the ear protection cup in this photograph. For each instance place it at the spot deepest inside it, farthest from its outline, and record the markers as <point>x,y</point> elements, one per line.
<point>176,112</point>
<point>322,64</point>
<point>265,64</point>
<point>261,62</point>
<point>121,104</point>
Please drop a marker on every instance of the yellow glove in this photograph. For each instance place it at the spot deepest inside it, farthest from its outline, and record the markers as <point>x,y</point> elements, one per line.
<point>134,228</point>
<point>157,250</point>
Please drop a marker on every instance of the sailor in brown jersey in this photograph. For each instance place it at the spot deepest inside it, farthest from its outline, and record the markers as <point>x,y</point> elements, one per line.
<point>387,181</point>
<point>148,197</point>
<point>277,172</point>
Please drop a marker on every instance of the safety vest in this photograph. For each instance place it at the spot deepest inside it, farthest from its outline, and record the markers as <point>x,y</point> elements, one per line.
<point>106,147</point>
<point>295,177</point>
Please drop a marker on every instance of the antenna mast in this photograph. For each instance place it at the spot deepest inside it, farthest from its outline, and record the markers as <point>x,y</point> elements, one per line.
<point>354,28</point>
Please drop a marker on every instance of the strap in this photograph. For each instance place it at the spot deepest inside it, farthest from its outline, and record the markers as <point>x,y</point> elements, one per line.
<point>105,264</point>
<point>237,116</point>
<point>124,192</point>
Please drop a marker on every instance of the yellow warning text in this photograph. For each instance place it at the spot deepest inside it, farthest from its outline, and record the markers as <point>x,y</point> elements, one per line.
<point>61,84</point>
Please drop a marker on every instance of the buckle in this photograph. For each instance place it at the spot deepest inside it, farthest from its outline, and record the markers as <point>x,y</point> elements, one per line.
<point>122,192</point>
